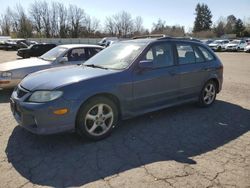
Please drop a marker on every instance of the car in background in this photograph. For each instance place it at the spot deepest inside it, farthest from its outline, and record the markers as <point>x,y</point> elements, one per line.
<point>207,41</point>
<point>247,48</point>
<point>236,45</point>
<point>11,73</point>
<point>35,50</point>
<point>15,44</point>
<point>104,42</point>
<point>218,45</point>
<point>127,79</point>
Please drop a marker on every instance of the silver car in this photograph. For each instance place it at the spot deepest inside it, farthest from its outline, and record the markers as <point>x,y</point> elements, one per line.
<point>11,73</point>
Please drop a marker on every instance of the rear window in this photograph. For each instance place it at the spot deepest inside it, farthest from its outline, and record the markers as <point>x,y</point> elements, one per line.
<point>208,56</point>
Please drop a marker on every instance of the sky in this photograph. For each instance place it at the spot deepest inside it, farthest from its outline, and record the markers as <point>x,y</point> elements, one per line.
<point>174,12</point>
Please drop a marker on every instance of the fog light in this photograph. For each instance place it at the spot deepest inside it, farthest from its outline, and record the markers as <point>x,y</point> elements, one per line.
<point>61,111</point>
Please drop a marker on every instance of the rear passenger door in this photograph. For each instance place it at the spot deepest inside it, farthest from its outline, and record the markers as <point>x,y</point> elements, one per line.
<point>194,69</point>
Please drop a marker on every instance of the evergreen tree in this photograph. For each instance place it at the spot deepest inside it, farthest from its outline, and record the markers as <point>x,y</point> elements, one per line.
<point>203,19</point>
<point>230,26</point>
<point>239,27</point>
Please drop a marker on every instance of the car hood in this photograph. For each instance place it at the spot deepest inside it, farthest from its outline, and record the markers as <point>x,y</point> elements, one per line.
<point>56,77</point>
<point>24,63</point>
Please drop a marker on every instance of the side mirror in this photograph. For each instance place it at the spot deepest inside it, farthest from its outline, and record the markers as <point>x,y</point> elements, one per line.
<point>63,60</point>
<point>146,64</point>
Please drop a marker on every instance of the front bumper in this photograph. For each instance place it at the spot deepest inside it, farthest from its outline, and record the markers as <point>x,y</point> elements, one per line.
<point>39,118</point>
<point>8,83</point>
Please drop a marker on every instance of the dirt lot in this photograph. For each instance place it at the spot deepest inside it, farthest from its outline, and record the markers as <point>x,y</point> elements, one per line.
<point>183,146</point>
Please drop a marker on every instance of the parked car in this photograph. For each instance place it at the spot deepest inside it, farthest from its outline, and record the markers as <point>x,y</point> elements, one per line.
<point>15,44</point>
<point>35,50</point>
<point>207,41</point>
<point>127,79</point>
<point>105,41</point>
<point>236,45</point>
<point>218,45</point>
<point>11,73</point>
<point>247,48</point>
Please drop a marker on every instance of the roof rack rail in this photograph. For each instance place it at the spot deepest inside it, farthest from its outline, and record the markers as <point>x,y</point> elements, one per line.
<point>149,36</point>
<point>180,38</point>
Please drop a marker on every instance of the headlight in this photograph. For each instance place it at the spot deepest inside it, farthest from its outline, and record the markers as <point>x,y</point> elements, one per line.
<point>45,96</point>
<point>6,74</point>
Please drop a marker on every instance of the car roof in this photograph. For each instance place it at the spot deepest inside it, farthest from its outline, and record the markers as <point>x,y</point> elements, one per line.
<point>80,46</point>
<point>152,40</point>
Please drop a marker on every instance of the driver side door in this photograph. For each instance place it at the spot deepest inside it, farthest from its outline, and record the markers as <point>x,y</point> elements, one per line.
<point>157,86</point>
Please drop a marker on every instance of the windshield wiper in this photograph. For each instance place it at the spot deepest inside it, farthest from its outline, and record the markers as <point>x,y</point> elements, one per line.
<point>96,66</point>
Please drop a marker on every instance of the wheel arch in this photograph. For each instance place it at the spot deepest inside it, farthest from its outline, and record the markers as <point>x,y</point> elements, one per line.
<point>216,81</point>
<point>110,96</point>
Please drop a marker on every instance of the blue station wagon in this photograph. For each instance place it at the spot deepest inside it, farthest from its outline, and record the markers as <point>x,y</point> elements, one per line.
<point>124,80</point>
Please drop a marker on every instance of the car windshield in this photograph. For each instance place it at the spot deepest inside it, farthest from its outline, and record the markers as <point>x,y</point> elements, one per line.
<point>30,46</point>
<point>53,54</point>
<point>235,42</point>
<point>118,56</point>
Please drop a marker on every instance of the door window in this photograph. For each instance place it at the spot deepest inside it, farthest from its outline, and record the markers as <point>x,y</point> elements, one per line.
<point>208,56</point>
<point>161,55</point>
<point>187,54</point>
<point>77,54</point>
<point>93,51</point>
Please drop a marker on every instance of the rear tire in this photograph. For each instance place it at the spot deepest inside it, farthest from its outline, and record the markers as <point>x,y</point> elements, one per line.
<point>208,94</point>
<point>97,118</point>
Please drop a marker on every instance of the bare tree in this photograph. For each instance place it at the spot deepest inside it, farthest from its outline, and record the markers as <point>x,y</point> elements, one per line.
<point>54,19</point>
<point>138,25</point>
<point>6,23</point>
<point>91,25</point>
<point>62,16</point>
<point>45,18</point>
<point>123,23</point>
<point>36,17</point>
<point>76,19</point>
<point>110,26</point>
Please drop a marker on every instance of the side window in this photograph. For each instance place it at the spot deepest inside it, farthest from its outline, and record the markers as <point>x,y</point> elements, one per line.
<point>77,54</point>
<point>198,56</point>
<point>208,56</point>
<point>161,55</point>
<point>186,54</point>
<point>93,51</point>
<point>35,47</point>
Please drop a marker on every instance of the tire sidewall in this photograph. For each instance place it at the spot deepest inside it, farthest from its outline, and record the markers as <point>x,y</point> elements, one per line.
<point>201,98</point>
<point>80,121</point>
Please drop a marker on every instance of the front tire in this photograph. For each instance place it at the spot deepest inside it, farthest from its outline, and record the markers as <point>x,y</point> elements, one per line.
<point>97,118</point>
<point>208,94</point>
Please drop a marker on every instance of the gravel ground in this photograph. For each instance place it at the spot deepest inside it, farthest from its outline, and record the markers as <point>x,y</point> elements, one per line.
<point>183,146</point>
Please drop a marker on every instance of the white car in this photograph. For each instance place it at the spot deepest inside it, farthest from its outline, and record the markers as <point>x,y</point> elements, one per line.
<point>218,45</point>
<point>236,45</point>
<point>11,73</point>
<point>247,48</point>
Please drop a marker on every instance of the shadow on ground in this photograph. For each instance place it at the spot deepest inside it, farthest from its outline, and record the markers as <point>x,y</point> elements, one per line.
<point>173,134</point>
<point>5,95</point>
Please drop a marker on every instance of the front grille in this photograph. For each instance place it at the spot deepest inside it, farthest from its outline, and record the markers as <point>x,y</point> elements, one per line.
<point>21,91</point>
